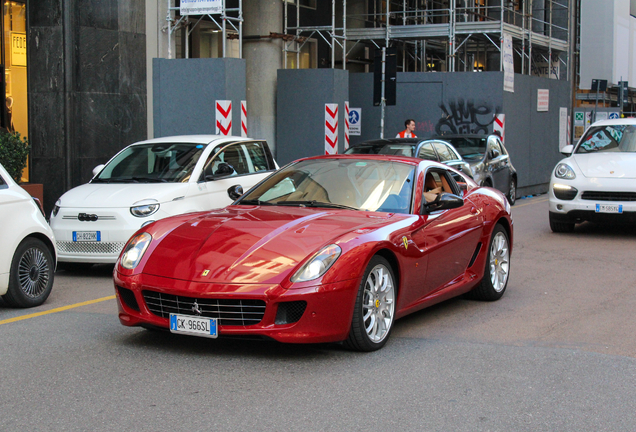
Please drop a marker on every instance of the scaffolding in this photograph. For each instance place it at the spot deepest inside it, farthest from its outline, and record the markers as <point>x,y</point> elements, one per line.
<point>229,19</point>
<point>451,35</point>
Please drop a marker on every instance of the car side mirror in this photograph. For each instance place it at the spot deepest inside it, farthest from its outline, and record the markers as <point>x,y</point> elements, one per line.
<point>235,192</point>
<point>224,169</point>
<point>567,150</point>
<point>444,201</point>
<point>98,169</point>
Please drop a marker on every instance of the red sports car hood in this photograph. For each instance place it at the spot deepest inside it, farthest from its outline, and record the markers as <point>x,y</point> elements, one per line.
<point>251,244</point>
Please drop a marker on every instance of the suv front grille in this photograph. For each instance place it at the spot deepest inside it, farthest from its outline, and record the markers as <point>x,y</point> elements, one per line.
<point>608,196</point>
<point>90,248</point>
<point>229,312</point>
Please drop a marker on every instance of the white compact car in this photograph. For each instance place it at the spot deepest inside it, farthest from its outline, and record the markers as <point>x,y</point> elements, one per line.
<point>27,247</point>
<point>151,180</point>
<point>597,182</point>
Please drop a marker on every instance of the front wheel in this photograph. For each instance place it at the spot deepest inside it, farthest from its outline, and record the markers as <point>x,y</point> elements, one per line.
<point>560,226</point>
<point>374,310</point>
<point>31,275</point>
<point>495,280</point>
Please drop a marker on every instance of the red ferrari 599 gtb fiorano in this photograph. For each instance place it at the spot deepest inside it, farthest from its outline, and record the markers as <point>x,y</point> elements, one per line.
<point>327,249</point>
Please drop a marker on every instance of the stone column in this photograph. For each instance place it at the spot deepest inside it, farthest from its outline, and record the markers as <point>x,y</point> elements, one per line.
<point>264,57</point>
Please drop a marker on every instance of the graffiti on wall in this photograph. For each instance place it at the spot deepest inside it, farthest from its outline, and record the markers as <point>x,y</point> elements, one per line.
<point>465,117</point>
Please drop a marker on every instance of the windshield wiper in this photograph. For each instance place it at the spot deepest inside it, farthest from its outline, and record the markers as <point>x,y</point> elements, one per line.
<point>255,202</point>
<point>314,203</point>
<point>149,180</point>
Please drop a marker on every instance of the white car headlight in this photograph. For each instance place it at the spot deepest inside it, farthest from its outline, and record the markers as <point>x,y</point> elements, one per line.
<point>318,264</point>
<point>135,250</point>
<point>564,171</point>
<point>144,208</point>
<point>56,208</point>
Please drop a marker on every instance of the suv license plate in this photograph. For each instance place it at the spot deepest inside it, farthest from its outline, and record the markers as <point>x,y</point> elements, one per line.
<point>609,208</point>
<point>87,236</point>
<point>193,325</point>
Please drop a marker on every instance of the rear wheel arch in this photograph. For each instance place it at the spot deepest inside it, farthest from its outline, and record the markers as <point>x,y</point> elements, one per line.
<point>44,239</point>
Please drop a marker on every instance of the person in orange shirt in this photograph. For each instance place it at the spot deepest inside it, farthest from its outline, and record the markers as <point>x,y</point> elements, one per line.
<point>408,132</point>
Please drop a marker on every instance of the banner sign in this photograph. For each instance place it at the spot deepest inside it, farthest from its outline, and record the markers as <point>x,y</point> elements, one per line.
<point>201,7</point>
<point>508,64</point>
<point>543,99</point>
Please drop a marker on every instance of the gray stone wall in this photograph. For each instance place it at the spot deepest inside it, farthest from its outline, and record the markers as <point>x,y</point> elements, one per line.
<point>87,87</point>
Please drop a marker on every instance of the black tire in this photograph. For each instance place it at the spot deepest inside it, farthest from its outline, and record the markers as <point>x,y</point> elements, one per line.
<point>486,290</point>
<point>560,226</point>
<point>512,192</point>
<point>31,274</point>
<point>359,339</point>
<point>74,266</point>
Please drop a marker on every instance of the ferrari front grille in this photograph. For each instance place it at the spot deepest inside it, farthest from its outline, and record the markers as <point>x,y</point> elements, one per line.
<point>229,312</point>
<point>608,196</point>
<point>90,248</point>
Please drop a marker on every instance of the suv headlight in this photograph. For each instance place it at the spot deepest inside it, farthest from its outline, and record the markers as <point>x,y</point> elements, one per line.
<point>318,264</point>
<point>144,208</point>
<point>135,250</point>
<point>564,171</point>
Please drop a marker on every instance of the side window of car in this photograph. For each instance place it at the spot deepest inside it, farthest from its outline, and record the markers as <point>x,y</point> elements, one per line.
<point>427,152</point>
<point>232,155</point>
<point>259,157</point>
<point>443,151</point>
<point>3,184</point>
<point>494,149</point>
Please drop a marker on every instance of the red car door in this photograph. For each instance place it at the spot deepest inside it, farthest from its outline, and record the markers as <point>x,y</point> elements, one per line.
<point>449,238</point>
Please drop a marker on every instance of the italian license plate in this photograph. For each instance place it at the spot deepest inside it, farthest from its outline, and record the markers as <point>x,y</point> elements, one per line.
<point>87,236</point>
<point>609,208</point>
<point>193,325</point>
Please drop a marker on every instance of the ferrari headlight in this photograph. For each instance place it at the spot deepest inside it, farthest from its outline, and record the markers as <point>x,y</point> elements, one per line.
<point>144,208</point>
<point>318,264</point>
<point>564,171</point>
<point>135,250</point>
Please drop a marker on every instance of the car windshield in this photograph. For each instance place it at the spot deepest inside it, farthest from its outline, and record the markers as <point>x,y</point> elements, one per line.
<point>387,149</point>
<point>152,163</point>
<point>614,138</point>
<point>471,149</point>
<point>359,184</point>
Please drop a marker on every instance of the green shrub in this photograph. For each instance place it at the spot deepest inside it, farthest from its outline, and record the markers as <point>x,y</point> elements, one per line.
<point>14,152</point>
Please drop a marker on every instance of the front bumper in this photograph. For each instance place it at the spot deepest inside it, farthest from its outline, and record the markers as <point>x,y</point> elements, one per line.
<point>579,209</point>
<point>115,225</point>
<point>326,317</point>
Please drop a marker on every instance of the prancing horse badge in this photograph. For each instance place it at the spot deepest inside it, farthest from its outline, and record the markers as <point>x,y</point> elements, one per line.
<point>406,242</point>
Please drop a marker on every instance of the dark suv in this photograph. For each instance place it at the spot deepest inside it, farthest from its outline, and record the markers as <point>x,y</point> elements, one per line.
<point>489,161</point>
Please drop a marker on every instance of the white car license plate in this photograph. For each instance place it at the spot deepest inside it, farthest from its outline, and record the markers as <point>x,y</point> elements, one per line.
<point>193,325</point>
<point>87,236</point>
<point>609,208</point>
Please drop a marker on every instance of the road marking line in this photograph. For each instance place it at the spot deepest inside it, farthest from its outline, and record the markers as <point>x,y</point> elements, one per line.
<point>59,309</point>
<point>533,202</point>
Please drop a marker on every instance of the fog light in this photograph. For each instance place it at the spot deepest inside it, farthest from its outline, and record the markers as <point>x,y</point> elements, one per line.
<point>564,192</point>
<point>559,206</point>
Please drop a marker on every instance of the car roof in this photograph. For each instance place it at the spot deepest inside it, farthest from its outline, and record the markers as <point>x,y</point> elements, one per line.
<point>196,139</point>
<point>622,121</point>
<point>446,136</point>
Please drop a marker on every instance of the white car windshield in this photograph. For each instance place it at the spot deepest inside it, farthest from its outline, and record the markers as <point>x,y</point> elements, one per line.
<point>614,138</point>
<point>359,184</point>
<point>152,163</point>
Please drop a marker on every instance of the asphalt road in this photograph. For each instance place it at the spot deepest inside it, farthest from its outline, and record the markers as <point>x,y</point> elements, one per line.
<point>556,353</point>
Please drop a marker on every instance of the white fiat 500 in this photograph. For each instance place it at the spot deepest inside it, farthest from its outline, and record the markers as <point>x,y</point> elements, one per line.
<point>27,247</point>
<point>597,182</point>
<point>151,180</point>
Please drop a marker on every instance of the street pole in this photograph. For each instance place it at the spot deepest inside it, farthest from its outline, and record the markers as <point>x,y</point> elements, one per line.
<point>382,94</point>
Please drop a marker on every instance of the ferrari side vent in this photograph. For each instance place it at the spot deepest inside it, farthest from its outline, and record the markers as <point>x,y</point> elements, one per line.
<point>128,298</point>
<point>472,260</point>
<point>290,312</point>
